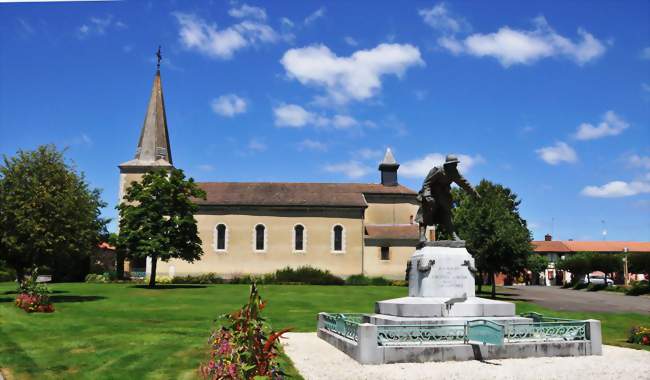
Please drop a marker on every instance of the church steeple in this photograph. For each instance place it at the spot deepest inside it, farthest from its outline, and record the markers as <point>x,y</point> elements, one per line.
<point>153,146</point>
<point>388,168</point>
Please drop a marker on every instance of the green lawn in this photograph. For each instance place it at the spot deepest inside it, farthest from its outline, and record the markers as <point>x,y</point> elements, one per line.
<point>119,331</point>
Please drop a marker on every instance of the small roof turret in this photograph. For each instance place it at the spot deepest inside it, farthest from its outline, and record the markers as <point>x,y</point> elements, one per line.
<point>388,168</point>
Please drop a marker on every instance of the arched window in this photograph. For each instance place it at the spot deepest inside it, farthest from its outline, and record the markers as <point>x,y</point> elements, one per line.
<point>338,238</point>
<point>299,238</point>
<point>220,237</point>
<point>260,237</point>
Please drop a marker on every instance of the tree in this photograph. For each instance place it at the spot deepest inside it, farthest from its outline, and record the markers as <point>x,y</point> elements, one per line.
<point>49,216</point>
<point>536,264</point>
<point>496,235</point>
<point>157,219</point>
<point>577,264</point>
<point>606,263</point>
<point>639,262</point>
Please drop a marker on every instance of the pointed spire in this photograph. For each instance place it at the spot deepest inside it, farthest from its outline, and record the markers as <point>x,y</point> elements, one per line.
<point>153,146</point>
<point>389,159</point>
<point>388,168</point>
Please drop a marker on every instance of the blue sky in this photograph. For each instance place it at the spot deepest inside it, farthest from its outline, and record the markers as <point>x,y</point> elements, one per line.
<point>548,98</point>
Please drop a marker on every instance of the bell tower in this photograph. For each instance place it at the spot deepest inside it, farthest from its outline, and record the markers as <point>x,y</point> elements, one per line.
<point>153,151</point>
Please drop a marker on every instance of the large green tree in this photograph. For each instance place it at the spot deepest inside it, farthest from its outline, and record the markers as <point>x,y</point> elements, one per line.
<point>49,216</point>
<point>639,262</point>
<point>157,219</point>
<point>497,236</point>
<point>536,264</point>
<point>578,265</point>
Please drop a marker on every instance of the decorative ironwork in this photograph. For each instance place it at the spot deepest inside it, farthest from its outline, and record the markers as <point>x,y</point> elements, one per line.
<point>484,331</point>
<point>345,325</point>
<point>541,330</point>
<point>546,331</point>
<point>407,335</point>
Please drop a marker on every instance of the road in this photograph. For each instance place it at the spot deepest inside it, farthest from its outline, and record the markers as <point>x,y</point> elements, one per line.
<point>579,300</point>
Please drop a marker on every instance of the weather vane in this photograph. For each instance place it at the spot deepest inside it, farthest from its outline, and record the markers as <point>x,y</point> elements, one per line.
<point>159,57</point>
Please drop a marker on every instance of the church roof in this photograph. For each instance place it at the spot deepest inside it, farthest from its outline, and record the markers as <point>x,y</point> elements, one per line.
<point>294,194</point>
<point>392,231</point>
<point>590,246</point>
<point>153,146</point>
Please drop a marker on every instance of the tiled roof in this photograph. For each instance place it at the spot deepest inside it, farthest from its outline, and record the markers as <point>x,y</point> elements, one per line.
<point>294,193</point>
<point>392,231</point>
<point>590,246</point>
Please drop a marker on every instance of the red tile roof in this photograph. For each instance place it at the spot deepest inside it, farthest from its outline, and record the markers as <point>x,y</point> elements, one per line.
<point>392,231</point>
<point>590,246</point>
<point>294,194</point>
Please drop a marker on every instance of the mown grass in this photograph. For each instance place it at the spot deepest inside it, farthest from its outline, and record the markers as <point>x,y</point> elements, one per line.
<point>120,331</point>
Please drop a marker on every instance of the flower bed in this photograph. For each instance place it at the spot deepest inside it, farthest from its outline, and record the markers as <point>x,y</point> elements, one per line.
<point>639,335</point>
<point>34,297</point>
<point>244,347</point>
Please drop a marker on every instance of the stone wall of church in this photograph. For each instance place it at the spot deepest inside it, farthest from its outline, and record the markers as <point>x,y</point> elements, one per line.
<point>397,211</point>
<point>394,268</point>
<point>241,257</point>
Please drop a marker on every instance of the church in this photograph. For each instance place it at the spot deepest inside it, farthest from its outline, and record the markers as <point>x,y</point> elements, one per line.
<point>259,227</point>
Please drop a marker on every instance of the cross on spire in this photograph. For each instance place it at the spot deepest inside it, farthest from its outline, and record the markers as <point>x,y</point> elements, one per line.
<point>159,58</point>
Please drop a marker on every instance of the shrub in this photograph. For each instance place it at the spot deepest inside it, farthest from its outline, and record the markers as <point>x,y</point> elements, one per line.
<point>399,283</point>
<point>96,278</point>
<point>34,297</point>
<point>165,280</point>
<point>596,287</point>
<point>357,279</point>
<point>303,275</point>
<point>204,278</point>
<point>242,279</point>
<point>244,346</point>
<point>639,335</point>
<point>7,275</point>
<point>638,288</point>
<point>580,285</point>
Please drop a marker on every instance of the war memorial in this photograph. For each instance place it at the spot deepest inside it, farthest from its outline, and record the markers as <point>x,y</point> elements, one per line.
<point>442,319</point>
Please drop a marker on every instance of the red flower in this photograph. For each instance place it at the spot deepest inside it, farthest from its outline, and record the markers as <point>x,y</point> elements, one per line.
<point>646,340</point>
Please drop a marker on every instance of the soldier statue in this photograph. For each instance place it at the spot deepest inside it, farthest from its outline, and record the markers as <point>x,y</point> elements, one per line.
<point>435,197</point>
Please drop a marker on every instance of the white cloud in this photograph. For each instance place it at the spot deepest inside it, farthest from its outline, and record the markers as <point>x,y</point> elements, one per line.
<point>367,153</point>
<point>292,115</point>
<point>295,116</point>
<point>439,18</point>
<point>229,105</point>
<point>196,34</point>
<point>557,153</point>
<point>645,87</point>
<point>511,46</point>
<point>639,161</point>
<point>319,13</point>
<point>419,168</point>
<point>357,77</point>
<point>247,11</point>
<point>206,167</point>
<point>351,169</point>
<point>616,189</point>
<point>350,41</point>
<point>308,144</point>
<point>611,125</point>
<point>645,53</point>
<point>256,145</point>
<point>99,26</point>
<point>344,122</point>
<point>286,22</point>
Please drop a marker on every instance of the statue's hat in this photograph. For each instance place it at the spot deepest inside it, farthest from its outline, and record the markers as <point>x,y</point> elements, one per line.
<point>451,159</point>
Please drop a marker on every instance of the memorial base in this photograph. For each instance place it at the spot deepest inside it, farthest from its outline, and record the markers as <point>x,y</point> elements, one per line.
<point>441,307</point>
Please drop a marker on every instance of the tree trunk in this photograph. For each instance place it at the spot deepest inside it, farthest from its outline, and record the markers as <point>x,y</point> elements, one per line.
<point>20,274</point>
<point>479,276</point>
<point>152,275</point>
<point>119,265</point>
<point>494,284</point>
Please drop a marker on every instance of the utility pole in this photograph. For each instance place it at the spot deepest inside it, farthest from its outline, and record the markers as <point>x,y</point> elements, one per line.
<point>626,275</point>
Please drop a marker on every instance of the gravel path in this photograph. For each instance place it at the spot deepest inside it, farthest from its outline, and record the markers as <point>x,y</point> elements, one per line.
<point>557,298</point>
<point>315,359</point>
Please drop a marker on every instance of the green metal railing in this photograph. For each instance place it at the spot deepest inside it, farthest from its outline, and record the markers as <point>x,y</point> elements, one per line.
<point>542,329</point>
<point>343,324</point>
<point>400,335</point>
